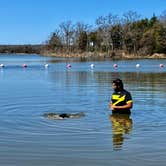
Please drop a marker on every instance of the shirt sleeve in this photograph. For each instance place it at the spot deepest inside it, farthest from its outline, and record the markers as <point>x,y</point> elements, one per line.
<point>128,97</point>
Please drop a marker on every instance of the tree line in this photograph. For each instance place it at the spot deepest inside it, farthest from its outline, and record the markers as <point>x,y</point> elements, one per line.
<point>29,49</point>
<point>130,34</point>
<point>111,34</point>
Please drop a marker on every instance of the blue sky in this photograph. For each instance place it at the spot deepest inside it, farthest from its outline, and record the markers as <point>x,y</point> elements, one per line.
<point>32,21</point>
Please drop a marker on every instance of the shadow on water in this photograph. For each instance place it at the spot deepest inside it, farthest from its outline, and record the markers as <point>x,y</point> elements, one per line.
<point>121,126</point>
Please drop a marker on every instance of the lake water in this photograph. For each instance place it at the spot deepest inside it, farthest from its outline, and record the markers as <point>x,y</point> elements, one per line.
<point>29,139</point>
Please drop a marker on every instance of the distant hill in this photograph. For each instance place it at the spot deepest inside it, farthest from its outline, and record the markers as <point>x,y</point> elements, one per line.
<point>28,49</point>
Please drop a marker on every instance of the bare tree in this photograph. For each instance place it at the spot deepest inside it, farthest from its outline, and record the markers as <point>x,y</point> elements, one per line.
<point>67,30</point>
<point>81,31</point>
<point>129,34</point>
<point>105,24</point>
<point>130,17</point>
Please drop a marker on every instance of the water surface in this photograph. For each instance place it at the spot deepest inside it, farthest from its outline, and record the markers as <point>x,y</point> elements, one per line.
<point>27,138</point>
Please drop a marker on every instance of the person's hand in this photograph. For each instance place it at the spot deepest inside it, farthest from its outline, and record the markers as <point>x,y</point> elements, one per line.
<point>112,107</point>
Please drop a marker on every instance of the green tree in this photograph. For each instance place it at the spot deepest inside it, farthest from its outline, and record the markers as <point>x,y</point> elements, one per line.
<point>116,37</point>
<point>82,41</point>
<point>80,37</point>
<point>153,21</point>
<point>161,40</point>
<point>55,41</point>
<point>92,41</point>
<point>147,43</point>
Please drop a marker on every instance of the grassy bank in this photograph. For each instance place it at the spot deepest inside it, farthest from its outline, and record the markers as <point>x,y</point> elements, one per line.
<point>111,55</point>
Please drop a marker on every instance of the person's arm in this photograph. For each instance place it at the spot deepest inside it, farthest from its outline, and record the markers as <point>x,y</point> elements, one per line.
<point>129,105</point>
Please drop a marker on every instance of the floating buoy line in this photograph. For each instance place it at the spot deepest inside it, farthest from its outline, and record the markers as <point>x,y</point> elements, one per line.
<point>69,66</point>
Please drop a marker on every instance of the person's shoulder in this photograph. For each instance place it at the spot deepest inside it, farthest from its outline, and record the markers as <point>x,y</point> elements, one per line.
<point>126,92</point>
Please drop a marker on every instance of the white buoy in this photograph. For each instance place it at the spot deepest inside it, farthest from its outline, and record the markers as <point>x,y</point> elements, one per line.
<point>161,65</point>
<point>137,65</point>
<point>46,65</point>
<point>2,65</point>
<point>92,66</point>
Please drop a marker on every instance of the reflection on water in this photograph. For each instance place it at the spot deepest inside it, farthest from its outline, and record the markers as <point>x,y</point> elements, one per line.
<point>121,125</point>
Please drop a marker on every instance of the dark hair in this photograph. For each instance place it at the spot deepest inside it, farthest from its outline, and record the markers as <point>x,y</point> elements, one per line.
<point>118,82</point>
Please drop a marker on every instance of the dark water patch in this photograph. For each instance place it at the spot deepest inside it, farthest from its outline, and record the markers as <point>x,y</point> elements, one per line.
<point>60,116</point>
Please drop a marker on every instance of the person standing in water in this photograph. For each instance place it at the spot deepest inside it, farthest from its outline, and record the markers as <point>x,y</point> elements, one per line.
<point>121,100</point>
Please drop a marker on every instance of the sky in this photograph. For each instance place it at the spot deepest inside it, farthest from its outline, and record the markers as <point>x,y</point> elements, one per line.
<point>32,21</point>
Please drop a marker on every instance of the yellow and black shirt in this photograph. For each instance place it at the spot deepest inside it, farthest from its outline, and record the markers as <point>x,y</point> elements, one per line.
<point>120,99</point>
